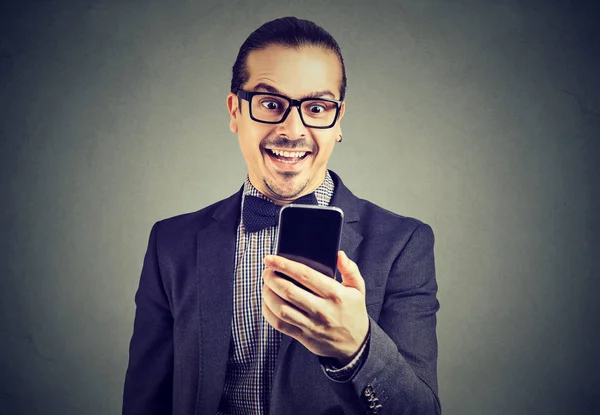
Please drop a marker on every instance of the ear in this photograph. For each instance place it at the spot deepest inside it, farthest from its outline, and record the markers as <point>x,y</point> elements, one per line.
<point>233,109</point>
<point>342,110</point>
<point>340,115</point>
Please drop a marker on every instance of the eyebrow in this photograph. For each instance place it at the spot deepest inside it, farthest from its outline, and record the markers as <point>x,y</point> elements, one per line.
<point>271,89</point>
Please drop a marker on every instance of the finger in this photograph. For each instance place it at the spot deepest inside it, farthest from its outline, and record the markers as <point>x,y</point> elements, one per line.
<point>350,273</point>
<point>290,292</point>
<point>278,324</point>
<point>318,283</point>
<point>285,311</point>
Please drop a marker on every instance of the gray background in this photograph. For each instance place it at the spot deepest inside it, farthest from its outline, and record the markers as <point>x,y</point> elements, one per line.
<point>481,118</point>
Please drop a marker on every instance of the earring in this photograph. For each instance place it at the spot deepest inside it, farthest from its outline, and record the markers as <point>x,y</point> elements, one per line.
<point>340,140</point>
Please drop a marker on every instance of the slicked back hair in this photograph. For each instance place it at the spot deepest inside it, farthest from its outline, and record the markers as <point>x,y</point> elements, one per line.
<point>286,31</point>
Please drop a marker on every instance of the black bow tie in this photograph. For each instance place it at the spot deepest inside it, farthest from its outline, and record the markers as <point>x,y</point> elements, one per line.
<point>259,213</point>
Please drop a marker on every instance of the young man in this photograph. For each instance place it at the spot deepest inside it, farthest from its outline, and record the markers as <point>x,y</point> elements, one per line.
<point>218,332</point>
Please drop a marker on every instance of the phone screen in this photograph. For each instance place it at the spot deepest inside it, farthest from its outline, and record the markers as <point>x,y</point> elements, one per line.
<point>311,235</point>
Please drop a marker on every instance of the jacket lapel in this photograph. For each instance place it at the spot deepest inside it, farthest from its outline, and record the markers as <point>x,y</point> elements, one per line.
<point>216,256</point>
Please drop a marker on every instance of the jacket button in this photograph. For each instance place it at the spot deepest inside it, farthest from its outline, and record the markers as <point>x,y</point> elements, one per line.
<point>368,391</point>
<point>373,403</point>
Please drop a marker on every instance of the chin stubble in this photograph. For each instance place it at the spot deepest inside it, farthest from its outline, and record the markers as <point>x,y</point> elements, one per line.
<point>288,175</point>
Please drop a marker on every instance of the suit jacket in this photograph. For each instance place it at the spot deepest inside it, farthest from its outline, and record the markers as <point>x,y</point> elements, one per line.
<point>182,329</point>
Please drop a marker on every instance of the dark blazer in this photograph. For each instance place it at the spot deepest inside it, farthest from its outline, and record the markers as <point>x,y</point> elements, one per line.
<point>182,330</point>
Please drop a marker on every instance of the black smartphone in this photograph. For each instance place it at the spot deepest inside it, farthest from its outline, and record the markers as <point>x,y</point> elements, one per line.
<point>310,235</point>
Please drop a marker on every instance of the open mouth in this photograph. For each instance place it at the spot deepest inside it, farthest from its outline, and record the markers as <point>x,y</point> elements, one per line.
<point>289,157</point>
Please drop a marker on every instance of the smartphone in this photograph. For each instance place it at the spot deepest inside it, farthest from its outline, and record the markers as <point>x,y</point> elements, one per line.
<point>310,235</point>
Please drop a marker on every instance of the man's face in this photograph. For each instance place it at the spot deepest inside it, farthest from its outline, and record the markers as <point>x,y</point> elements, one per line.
<point>295,73</point>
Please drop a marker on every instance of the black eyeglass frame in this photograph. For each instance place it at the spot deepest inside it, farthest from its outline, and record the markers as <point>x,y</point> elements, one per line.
<point>247,95</point>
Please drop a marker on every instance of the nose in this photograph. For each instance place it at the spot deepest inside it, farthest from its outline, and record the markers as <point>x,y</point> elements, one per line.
<point>292,126</point>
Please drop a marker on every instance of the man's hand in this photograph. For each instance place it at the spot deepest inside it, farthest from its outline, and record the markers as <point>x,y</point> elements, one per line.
<point>331,321</point>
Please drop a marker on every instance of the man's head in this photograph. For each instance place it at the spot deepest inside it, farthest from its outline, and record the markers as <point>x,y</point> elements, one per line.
<point>294,60</point>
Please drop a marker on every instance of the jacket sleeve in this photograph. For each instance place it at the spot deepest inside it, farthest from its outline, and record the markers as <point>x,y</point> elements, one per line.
<point>148,382</point>
<point>399,375</point>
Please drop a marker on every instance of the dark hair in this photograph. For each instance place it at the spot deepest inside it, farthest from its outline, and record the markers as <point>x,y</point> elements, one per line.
<point>286,31</point>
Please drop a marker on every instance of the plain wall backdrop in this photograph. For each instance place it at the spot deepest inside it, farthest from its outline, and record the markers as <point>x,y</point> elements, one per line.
<point>481,118</point>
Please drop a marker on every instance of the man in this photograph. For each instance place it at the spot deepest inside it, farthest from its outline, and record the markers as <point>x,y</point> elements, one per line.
<point>218,332</point>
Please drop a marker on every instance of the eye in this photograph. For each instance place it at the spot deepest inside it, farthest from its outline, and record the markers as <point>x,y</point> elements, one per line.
<point>271,104</point>
<point>317,108</point>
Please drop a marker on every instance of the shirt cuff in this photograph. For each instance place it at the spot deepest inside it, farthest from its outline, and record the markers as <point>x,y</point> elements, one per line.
<point>346,372</point>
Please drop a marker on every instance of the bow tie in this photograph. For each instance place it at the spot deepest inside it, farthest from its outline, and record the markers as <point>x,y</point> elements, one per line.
<point>260,213</point>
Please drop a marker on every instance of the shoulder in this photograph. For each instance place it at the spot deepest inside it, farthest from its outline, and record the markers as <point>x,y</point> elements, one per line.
<point>376,216</point>
<point>184,227</point>
<point>376,221</point>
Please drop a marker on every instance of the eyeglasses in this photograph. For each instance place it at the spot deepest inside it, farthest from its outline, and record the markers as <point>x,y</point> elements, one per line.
<point>274,109</point>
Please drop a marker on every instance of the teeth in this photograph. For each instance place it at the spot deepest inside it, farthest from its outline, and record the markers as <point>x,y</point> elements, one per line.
<point>295,154</point>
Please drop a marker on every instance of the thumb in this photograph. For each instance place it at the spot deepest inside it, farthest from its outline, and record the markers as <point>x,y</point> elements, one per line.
<point>350,274</point>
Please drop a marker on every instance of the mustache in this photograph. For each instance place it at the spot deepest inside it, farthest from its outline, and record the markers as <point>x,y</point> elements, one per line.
<point>284,142</point>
